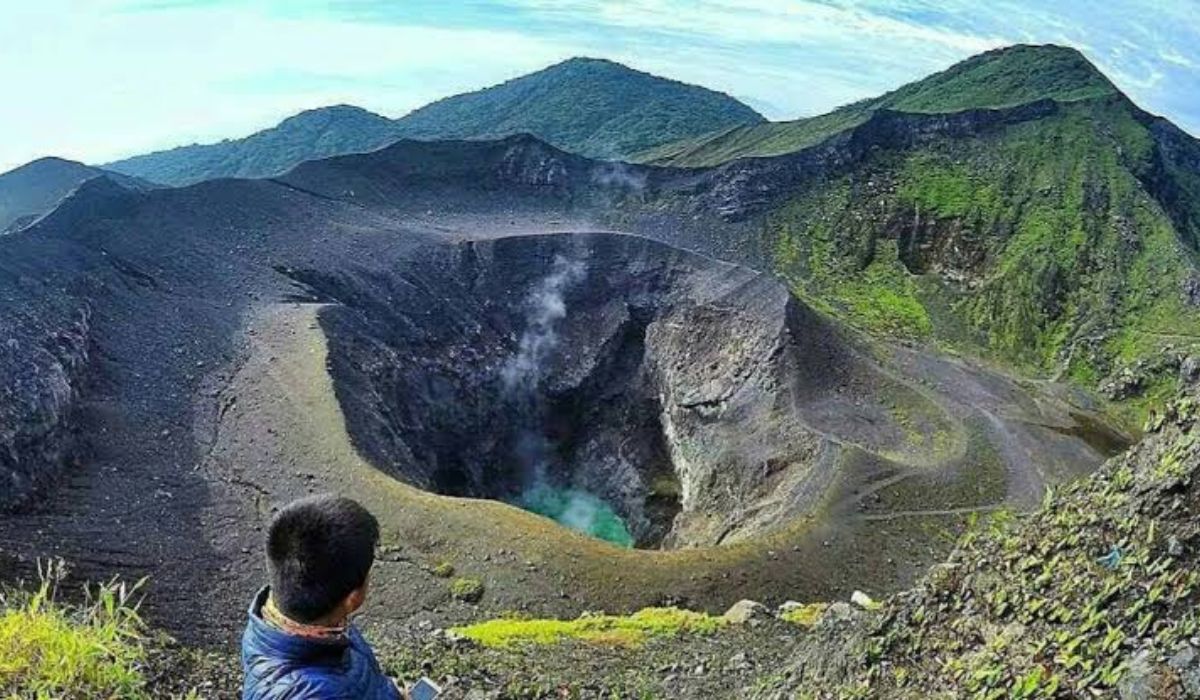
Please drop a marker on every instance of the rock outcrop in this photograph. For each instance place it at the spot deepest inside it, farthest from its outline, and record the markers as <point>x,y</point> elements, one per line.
<point>41,368</point>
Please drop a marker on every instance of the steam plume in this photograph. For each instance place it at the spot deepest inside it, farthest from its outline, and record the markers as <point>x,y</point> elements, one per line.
<point>544,309</point>
<point>534,451</point>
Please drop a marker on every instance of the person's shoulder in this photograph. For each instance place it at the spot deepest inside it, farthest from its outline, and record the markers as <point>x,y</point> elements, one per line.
<point>297,685</point>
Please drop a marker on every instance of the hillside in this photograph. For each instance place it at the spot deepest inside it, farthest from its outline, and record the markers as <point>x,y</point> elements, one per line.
<point>1000,78</point>
<point>33,189</point>
<point>592,107</point>
<point>1093,595</point>
<point>1015,206</point>
<point>316,133</point>
<point>1064,245</point>
<point>589,106</point>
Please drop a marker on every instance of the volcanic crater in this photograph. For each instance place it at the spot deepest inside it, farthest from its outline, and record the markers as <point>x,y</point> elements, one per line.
<point>691,395</point>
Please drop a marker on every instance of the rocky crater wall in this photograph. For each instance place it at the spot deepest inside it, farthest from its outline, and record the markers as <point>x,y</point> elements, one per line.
<point>694,396</point>
<point>42,364</point>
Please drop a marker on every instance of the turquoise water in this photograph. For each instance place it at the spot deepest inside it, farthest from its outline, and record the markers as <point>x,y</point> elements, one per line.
<point>578,510</point>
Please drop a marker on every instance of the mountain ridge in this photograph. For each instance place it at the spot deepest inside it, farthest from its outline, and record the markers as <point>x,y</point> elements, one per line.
<point>995,79</point>
<point>596,107</point>
<point>30,190</point>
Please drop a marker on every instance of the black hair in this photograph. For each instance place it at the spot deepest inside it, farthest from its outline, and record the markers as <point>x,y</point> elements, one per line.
<point>319,550</point>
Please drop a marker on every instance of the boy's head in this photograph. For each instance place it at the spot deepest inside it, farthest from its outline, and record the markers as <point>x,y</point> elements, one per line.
<point>319,551</point>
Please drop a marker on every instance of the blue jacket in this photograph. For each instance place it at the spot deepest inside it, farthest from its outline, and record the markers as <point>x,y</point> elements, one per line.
<point>280,666</point>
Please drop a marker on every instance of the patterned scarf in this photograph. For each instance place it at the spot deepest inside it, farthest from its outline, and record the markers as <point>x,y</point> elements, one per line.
<point>274,617</point>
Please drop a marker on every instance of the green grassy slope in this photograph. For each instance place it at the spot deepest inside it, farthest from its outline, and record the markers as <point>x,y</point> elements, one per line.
<point>1042,244</point>
<point>1094,595</point>
<point>1000,78</point>
<point>588,106</point>
<point>316,133</point>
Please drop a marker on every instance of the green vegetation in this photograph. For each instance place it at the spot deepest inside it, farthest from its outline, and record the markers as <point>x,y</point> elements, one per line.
<point>49,649</point>
<point>1004,78</point>
<point>443,570</point>
<point>468,590</point>
<point>1040,245</point>
<point>827,269</point>
<point>317,133</point>
<point>804,615</point>
<point>623,630</point>
<point>754,140</point>
<point>588,106</point>
<point>592,107</point>
<point>1057,603</point>
<point>1001,78</point>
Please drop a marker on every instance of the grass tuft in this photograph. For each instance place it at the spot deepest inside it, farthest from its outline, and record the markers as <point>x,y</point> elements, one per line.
<point>49,649</point>
<point>804,615</point>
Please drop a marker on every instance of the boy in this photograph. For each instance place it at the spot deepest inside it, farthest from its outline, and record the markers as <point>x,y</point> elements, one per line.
<point>299,643</point>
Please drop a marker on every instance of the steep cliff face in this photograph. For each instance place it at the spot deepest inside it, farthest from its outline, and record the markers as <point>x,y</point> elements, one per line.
<point>41,369</point>
<point>1053,243</point>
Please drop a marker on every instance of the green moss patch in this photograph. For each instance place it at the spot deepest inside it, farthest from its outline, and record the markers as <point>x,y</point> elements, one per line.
<point>804,615</point>
<point>468,590</point>
<point>624,630</point>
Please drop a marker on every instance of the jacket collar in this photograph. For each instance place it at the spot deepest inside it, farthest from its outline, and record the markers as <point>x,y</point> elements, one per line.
<point>275,642</point>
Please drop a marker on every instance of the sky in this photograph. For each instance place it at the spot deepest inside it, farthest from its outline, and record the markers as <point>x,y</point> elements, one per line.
<point>96,80</point>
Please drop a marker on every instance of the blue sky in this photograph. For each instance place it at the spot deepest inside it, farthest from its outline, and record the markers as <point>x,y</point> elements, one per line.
<point>96,80</point>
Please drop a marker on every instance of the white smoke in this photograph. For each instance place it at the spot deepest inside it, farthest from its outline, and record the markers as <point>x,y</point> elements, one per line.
<point>545,307</point>
<point>534,450</point>
<point>617,174</point>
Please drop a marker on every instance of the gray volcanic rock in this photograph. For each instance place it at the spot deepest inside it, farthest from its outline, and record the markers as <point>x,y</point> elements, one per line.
<point>43,363</point>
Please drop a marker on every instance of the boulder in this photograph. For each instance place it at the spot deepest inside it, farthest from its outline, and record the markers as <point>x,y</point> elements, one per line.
<point>746,612</point>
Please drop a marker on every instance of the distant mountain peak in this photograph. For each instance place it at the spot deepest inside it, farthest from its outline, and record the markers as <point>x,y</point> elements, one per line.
<point>1000,78</point>
<point>1004,77</point>
<point>590,106</point>
<point>1058,51</point>
<point>338,111</point>
<point>591,60</point>
<point>48,162</point>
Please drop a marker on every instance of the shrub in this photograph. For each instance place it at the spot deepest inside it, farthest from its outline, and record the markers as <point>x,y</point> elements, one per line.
<point>468,590</point>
